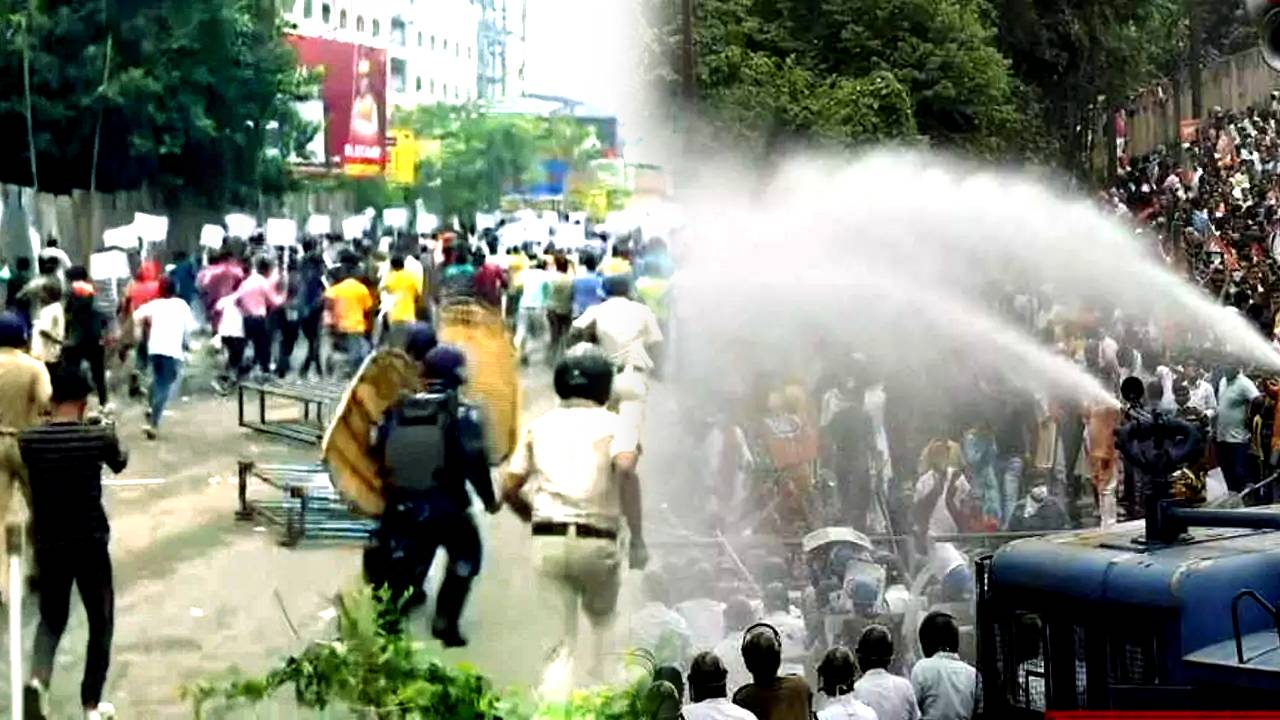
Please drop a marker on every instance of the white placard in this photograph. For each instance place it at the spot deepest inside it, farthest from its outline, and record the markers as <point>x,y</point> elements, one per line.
<point>152,228</point>
<point>240,225</point>
<point>109,265</point>
<point>484,221</point>
<point>396,217</point>
<point>319,225</point>
<point>384,244</point>
<point>125,237</point>
<point>426,223</point>
<point>570,235</point>
<point>282,232</point>
<point>211,236</point>
<point>353,227</point>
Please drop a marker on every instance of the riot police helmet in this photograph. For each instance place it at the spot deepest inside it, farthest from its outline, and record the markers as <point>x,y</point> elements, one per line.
<point>446,365</point>
<point>584,374</point>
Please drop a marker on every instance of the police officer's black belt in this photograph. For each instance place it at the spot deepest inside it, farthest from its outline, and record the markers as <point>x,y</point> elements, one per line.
<point>584,531</point>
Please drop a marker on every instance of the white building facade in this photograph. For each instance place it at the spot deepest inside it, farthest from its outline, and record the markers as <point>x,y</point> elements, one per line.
<point>433,46</point>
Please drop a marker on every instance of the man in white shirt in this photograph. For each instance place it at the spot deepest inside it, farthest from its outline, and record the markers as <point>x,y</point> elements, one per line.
<point>1203,396</point>
<point>628,332</point>
<point>933,490</point>
<point>579,464</point>
<point>170,324</point>
<point>835,680</point>
<point>708,692</point>
<point>794,634</point>
<point>657,628</point>
<point>738,616</point>
<point>890,696</point>
<point>946,686</point>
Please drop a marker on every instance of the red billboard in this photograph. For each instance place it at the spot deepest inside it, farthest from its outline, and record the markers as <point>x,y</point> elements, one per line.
<point>355,101</point>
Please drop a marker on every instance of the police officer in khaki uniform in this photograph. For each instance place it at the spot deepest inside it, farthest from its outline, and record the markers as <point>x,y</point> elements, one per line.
<point>573,477</point>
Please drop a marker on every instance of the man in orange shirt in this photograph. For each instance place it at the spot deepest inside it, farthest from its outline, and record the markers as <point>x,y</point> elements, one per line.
<point>349,304</point>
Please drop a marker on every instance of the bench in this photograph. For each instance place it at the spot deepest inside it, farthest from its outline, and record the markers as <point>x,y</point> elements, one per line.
<point>317,399</point>
<point>309,507</point>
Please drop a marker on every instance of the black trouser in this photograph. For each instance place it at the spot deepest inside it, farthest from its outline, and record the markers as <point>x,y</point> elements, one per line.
<point>1239,467</point>
<point>235,356</point>
<point>1071,428</point>
<point>288,339</point>
<point>88,566</point>
<point>856,498</point>
<point>93,354</point>
<point>559,323</point>
<point>310,326</point>
<point>405,543</point>
<point>259,333</point>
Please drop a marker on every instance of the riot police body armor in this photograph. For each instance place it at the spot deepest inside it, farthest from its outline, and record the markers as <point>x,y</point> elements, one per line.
<point>429,446</point>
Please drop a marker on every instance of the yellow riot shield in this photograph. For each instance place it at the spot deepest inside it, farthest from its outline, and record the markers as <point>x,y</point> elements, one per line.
<point>492,374</point>
<point>383,378</point>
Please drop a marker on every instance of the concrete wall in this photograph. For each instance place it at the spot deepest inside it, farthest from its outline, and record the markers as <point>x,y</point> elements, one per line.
<point>1233,83</point>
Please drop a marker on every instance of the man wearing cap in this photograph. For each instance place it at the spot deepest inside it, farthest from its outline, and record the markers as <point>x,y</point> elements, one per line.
<point>25,390</point>
<point>628,332</point>
<point>429,446</point>
<point>579,462</point>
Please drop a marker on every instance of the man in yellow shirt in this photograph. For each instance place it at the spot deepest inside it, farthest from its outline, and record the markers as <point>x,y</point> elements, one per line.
<point>348,304</point>
<point>401,291</point>
<point>616,264</point>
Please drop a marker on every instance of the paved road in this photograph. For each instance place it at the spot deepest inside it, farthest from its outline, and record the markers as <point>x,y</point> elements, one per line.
<point>196,591</point>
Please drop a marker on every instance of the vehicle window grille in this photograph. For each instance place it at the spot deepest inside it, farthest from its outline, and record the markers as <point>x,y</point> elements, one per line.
<point>1135,658</point>
<point>1082,672</point>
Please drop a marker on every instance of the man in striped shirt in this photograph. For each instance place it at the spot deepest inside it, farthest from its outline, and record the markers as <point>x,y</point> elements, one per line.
<point>64,459</point>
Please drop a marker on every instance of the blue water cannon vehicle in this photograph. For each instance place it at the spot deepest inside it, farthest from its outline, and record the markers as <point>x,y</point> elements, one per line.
<point>1174,612</point>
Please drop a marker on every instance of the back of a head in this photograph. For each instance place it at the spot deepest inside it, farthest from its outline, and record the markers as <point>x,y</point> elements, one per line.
<point>397,262</point>
<point>166,287</point>
<point>263,265</point>
<point>708,677</point>
<point>13,330</point>
<point>738,614</point>
<point>875,648</point>
<point>77,273</point>
<point>70,385</point>
<point>180,256</point>
<point>671,674</point>
<point>590,261</point>
<point>562,263</point>
<point>446,365</point>
<point>939,633</point>
<point>836,671</point>
<point>47,265</point>
<point>51,242</point>
<point>617,286</point>
<point>762,652</point>
<point>584,374</point>
<point>776,598</point>
<point>420,340</point>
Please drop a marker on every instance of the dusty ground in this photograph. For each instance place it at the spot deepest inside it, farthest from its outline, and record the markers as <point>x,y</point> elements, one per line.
<point>196,591</point>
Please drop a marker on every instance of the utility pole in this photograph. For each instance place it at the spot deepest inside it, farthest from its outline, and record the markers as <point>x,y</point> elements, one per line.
<point>688,58</point>
<point>1195,57</point>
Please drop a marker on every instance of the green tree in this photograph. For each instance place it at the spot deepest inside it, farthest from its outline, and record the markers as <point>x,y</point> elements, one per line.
<point>1080,58</point>
<point>191,88</point>
<point>854,70</point>
<point>482,157</point>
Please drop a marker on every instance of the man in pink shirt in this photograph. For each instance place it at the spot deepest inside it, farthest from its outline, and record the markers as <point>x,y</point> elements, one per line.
<point>258,295</point>
<point>218,280</point>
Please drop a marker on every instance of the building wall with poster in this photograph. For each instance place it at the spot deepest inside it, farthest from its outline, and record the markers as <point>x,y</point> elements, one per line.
<point>355,106</point>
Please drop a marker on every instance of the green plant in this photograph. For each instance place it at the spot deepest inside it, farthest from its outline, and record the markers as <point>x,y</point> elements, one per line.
<point>380,675</point>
